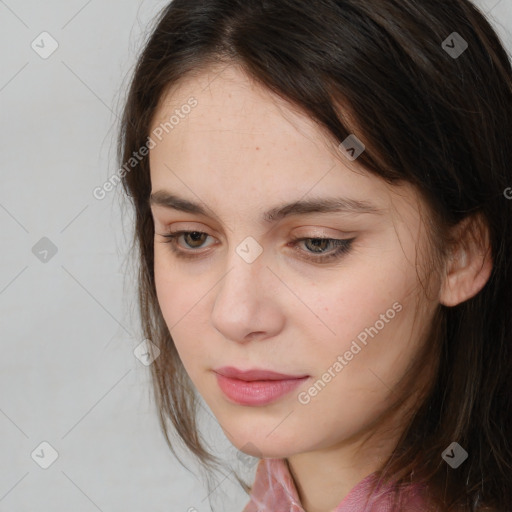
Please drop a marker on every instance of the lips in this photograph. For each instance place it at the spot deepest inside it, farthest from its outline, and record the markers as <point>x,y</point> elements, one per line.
<point>255,374</point>
<point>256,387</point>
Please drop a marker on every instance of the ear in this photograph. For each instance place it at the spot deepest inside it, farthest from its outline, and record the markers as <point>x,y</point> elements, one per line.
<point>469,263</point>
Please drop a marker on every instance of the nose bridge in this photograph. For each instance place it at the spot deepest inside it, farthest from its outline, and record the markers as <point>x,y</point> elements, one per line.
<point>248,266</point>
<point>243,301</point>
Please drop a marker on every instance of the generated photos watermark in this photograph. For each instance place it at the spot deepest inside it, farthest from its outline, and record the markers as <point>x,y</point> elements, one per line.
<point>304,397</point>
<point>152,141</point>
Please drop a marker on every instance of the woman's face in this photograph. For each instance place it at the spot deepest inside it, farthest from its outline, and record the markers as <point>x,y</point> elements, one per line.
<point>244,295</point>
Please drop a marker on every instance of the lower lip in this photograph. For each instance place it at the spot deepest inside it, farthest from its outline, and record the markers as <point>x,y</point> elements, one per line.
<point>258,392</point>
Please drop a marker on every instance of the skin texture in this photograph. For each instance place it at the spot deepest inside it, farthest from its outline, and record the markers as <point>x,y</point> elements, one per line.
<point>241,151</point>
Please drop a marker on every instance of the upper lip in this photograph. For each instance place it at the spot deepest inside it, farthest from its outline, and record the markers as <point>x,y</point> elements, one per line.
<point>254,374</point>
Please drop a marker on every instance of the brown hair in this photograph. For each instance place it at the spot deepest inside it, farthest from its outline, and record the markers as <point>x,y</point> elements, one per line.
<point>440,121</point>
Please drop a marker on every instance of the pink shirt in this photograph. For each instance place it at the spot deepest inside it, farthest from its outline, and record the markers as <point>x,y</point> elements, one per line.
<point>274,491</point>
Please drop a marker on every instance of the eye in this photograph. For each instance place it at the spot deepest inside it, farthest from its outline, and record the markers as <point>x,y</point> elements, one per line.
<point>315,248</point>
<point>193,240</point>
<point>341,247</point>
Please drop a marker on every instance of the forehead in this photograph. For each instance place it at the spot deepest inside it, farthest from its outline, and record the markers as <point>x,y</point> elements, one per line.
<point>229,101</point>
<point>249,144</point>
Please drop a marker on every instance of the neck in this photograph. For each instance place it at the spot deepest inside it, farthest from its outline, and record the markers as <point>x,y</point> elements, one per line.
<point>324,477</point>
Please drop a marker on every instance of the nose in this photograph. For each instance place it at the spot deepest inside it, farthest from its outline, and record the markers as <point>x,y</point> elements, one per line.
<point>246,304</point>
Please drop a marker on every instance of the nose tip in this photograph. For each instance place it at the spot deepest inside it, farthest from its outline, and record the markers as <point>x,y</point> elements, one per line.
<point>243,309</point>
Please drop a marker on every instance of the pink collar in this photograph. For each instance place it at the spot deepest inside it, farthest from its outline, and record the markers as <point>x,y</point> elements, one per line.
<point>274,490</point>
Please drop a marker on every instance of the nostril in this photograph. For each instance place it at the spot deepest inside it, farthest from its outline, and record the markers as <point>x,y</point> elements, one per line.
<point>254,334</point>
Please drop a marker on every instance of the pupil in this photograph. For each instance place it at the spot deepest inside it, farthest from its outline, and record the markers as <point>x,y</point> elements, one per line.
<point>319,243</point>
<point>195,236</point>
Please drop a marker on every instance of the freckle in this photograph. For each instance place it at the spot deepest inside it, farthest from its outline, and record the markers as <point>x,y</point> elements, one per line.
<point>257,148</point>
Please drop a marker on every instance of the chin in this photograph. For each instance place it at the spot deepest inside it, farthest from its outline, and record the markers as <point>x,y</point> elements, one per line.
<point>262,445</point>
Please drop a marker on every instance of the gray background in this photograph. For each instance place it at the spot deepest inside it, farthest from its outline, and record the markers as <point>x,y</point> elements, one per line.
<point>68,321</point>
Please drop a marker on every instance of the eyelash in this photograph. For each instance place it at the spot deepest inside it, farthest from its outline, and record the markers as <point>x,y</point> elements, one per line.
<point>343,246</point>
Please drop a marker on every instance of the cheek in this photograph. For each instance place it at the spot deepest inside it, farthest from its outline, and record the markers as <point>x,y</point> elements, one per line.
<point>167,288</point>
<point>348,303</point>
<point>372,317</point>
<point>179,289</point>
<point>367,318</point>
<point>179,297</point>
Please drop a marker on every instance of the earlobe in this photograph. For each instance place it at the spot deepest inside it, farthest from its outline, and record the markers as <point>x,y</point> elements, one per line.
<point>468,266</point>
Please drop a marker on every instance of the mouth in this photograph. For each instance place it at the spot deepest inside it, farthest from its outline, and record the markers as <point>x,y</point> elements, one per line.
<point>256,387</point>
<point>255,374</point>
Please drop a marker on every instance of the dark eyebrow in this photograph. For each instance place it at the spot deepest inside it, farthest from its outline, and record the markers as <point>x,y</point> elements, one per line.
<point>307,206</point>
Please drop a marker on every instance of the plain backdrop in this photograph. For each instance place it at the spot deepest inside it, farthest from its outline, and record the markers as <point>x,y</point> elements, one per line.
<point>73,396</point>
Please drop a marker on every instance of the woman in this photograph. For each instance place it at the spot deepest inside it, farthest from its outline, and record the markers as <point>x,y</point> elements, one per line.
<point>324,234</point>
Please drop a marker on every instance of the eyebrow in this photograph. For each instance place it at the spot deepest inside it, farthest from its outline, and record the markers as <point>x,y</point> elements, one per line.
<point>302,207</point>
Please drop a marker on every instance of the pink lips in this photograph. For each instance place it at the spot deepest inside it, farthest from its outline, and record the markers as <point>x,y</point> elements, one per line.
<point>255,387</point>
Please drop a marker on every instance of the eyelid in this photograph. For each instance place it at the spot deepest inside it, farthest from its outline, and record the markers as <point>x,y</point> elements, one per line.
<point>317,232</point>
<point>310,231</point>
<point>342,246</point>
<point>301,232</point>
